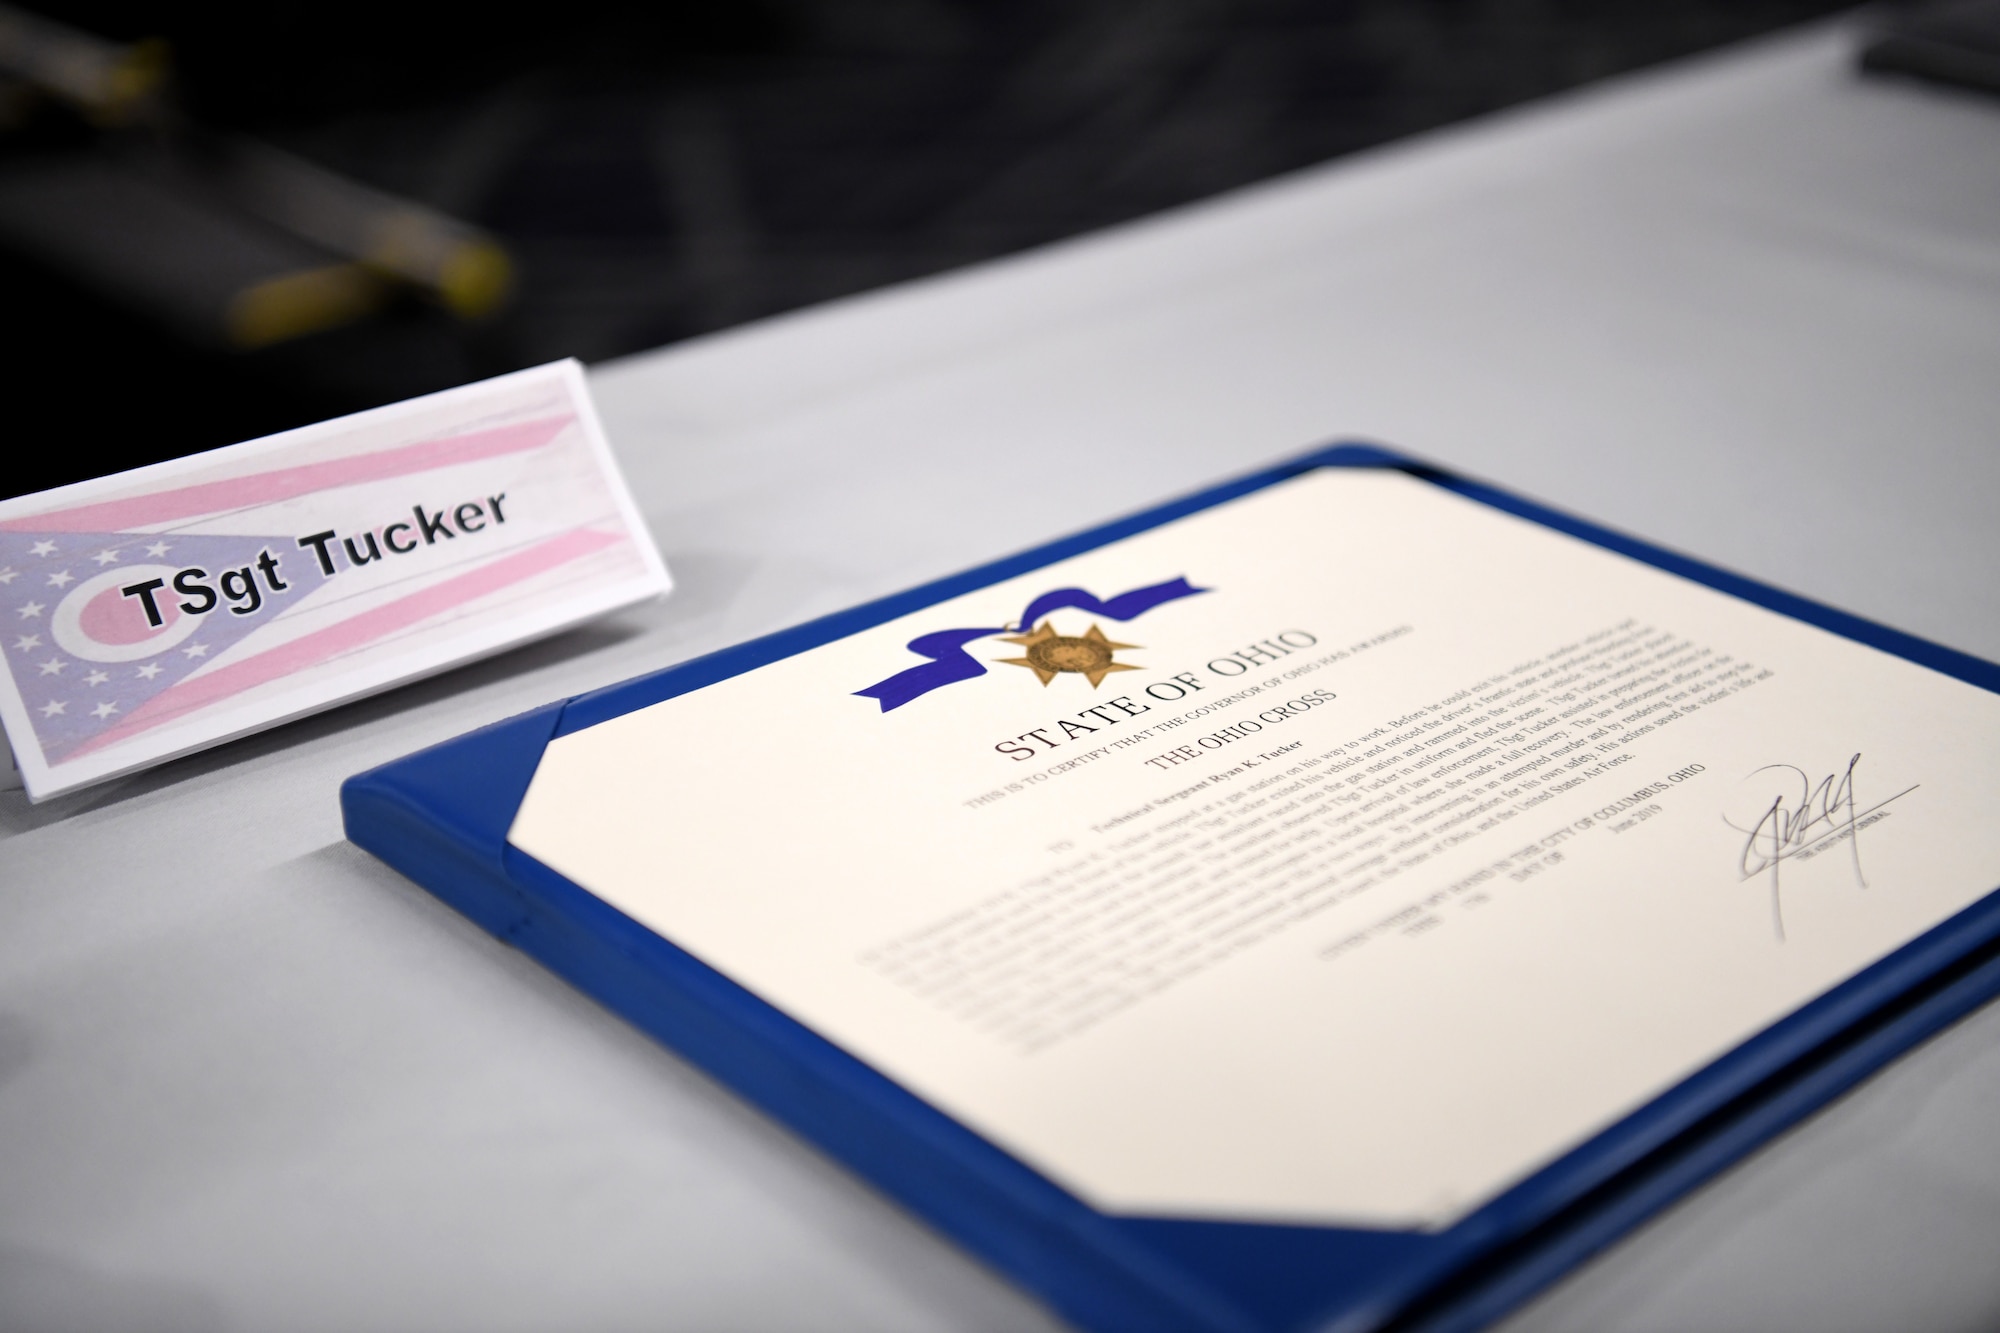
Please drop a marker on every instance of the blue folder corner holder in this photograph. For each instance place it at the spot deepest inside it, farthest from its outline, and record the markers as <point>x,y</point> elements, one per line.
<point>441,817</point>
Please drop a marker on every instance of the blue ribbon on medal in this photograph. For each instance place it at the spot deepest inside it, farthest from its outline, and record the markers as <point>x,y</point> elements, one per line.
<point>949,662</point>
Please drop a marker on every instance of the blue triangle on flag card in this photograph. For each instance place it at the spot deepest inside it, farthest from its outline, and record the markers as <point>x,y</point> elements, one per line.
<point>85,649</point>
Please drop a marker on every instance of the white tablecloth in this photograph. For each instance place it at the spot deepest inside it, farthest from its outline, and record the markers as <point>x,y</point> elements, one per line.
<point>1748,307</point>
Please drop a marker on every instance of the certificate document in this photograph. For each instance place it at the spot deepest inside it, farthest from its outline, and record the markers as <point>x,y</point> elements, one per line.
<point>1338,854</point>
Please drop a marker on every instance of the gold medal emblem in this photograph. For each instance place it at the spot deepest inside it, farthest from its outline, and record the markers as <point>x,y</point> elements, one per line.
<point>1050,654</point>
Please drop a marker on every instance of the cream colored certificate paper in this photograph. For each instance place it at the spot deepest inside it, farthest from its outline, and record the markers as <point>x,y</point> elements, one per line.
<point>1421,845</point>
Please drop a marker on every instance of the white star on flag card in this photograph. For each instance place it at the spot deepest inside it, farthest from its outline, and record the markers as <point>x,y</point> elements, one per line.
<point>159,611</point>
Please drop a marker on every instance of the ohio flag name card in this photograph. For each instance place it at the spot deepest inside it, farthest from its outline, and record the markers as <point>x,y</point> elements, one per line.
<point>159,611</point>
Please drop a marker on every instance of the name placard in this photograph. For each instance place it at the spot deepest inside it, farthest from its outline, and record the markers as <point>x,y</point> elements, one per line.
<point>170,608</point>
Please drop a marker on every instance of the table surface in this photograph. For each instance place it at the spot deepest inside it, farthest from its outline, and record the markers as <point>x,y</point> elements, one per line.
<point>1748,307</point>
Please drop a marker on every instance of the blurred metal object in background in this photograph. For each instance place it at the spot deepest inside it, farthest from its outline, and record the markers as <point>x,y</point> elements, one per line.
<point>109,83</point>
<point>223,238</point>
<point>1947,41</point>
<point>454,262</point>
<point>137,230</point>
<point>297,219</point>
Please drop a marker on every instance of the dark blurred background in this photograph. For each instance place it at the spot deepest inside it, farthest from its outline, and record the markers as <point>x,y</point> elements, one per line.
<point>172,281</point>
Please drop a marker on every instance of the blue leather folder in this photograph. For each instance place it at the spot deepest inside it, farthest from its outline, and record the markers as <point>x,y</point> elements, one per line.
<point>441,817</point>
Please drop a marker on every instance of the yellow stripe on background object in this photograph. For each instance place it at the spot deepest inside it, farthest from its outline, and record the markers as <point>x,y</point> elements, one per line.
<point>477,278</point>
<point>308,301</point>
